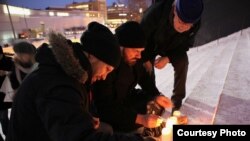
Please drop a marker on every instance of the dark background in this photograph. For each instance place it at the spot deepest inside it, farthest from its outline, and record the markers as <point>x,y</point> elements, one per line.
<point>221,18</point>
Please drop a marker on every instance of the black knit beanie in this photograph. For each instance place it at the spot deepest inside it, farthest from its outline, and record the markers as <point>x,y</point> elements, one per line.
<point>24,47</point>
<point>99,41</point>
<point>131,35</point>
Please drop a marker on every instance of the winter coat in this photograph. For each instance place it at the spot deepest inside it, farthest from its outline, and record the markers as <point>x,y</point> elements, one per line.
<point>162,38</point>
<point>52,104</point>
<point>6,64</point>
<point>18,73</point>
<point>113,95</point>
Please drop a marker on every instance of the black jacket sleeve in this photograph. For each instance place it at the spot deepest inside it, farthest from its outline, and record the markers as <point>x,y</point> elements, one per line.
<point>175,54</point>
<point>146,82</point>
<point>65,118</point>
<point>4,105</point>
<point>112,110</point>
<point>149,23</point>
<point>13,79</point>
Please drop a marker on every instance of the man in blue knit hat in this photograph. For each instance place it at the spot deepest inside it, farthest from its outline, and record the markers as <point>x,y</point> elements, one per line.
<point>170,27</point>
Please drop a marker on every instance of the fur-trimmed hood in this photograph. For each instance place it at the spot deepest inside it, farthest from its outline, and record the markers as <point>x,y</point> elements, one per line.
<point>60,53</point>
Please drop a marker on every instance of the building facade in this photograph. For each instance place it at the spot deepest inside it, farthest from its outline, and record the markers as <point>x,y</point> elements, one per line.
<point>92,5</point>
<point>39,22</point>
<point>117,14</point>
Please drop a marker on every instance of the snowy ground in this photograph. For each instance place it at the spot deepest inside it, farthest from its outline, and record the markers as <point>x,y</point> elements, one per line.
<point>218,84</point>
<point>218,81</point>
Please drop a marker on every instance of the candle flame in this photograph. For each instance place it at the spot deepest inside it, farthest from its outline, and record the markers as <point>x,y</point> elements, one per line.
<point>169,125</point>
<point>166,131</point>
<point>177,113</point>
<point>171,121</point>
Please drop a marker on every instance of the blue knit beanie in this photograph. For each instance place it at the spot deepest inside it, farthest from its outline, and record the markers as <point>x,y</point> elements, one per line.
<point>189,11</point>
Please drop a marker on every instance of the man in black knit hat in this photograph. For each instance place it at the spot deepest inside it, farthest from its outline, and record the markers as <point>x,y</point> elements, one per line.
<point>118,102</point>
<point>52,104</point>
<point>24,62</point>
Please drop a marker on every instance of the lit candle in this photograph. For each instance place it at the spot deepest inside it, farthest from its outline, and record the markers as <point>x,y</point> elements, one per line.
<point>167,132</point>
<point>177,113</point>
<point>181,119</point>
<point>171,121</point>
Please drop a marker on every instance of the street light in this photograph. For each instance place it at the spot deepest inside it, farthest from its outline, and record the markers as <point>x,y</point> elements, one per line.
<point>140,10</point>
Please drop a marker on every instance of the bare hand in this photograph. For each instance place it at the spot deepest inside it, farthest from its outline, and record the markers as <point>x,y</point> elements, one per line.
<point>163,101</point>
<point>96,122</point>
<point>148,66</point>
<point>149,120</point>
<point>161,62</point>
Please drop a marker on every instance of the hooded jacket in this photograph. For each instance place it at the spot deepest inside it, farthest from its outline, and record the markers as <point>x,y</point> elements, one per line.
<point>52,102</point>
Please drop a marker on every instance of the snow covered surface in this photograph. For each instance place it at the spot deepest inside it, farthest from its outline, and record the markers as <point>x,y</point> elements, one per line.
<point>218,83</point>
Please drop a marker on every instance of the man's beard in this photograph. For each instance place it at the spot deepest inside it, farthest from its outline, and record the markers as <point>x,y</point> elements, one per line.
<point>132,62</point>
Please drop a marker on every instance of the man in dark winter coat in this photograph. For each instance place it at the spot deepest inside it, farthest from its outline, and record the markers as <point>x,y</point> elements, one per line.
<point>6,65</point>
<point>170,27</point>
<point>118,102</point>
<point>52,103</point>
<point>24,62</point>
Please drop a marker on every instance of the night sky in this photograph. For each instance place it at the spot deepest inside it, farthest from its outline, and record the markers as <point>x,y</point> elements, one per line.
<point>42,4</point>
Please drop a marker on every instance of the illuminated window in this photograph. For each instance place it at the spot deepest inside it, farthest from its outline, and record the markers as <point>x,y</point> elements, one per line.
<point>62,14</point>
<point>51,14</point>
<point>122,14</point>
<point>16,10</point>
<point>82,6</point>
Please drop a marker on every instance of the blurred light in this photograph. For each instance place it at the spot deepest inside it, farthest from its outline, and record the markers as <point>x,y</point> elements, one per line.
<point>122,14</point>
<point>121,5</point>
<point>116,21</point>
<point>62,14</point>
<point>177,113</point>
<point>140,10</point>
<point>82,6</point>
<point>87,14</point>
<point>171,121</point>
<point>51,14</point>
<point>75,40</point>
<point>16,10</point>
<point>166,131</point>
